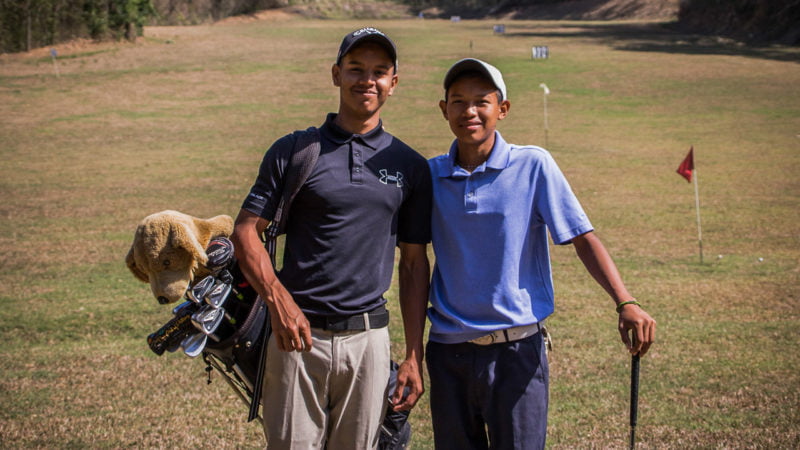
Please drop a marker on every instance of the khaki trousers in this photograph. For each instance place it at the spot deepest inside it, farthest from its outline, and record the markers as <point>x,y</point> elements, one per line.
<point>333,397</point>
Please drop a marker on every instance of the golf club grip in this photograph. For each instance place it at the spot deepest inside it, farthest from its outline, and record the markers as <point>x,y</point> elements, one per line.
<point>171,333</point>
<point>634,388</point>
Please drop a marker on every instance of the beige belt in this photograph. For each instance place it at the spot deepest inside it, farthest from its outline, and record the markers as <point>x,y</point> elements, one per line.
<point>509,334</point>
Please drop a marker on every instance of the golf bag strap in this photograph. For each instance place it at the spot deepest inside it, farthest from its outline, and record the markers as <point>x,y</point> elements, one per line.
<point>304,157</point>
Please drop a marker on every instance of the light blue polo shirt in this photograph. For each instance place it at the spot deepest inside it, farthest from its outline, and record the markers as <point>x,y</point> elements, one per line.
<point>489,231</point>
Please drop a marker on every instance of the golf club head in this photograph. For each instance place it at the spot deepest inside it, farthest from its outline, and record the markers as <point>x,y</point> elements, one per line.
<point>198,292</point>
<point>217,296</point>
<point>183,306</point>
<point>220,254</point>
<point>225,276</point>
<point>208,319</point>
<point>194,344</point>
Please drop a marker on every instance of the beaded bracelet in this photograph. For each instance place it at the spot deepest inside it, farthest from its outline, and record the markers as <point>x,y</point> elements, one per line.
<point>630,302</point>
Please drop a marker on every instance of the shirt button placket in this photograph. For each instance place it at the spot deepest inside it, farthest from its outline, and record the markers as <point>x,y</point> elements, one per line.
<point>357,171</point>
<point>470,196</point>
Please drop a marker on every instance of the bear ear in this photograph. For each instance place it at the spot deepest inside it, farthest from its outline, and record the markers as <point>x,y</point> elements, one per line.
<point>185,238</point>
<point>218,226</point>
<point>131,262</point>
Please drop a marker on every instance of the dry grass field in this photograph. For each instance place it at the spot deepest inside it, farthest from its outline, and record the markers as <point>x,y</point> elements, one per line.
<point>181,119</point>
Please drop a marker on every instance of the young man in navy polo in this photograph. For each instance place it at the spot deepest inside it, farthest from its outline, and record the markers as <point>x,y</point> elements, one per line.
<point>328,357</point>
<point>491,291</point>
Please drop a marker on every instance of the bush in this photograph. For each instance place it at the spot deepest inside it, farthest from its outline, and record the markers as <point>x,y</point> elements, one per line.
<point>36,23</point>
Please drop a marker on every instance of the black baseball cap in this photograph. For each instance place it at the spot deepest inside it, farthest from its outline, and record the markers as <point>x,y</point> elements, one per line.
<point>367,34</point>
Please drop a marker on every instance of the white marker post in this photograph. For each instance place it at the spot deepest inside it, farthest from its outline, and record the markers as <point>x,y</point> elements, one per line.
<point>697,207</point>
<point>546,126</point>
<point>53,55</point>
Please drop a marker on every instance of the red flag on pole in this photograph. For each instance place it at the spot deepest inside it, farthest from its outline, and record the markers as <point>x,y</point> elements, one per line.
<point>687,166</point>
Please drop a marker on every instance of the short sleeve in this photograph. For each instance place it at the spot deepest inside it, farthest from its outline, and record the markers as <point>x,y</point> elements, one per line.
<point>265,193</point>
<point>415,212</point>
<point>557,205</point>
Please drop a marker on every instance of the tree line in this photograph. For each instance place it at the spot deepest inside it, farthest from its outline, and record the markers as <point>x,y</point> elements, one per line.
<point>747,20</point>
<point>27,24</point>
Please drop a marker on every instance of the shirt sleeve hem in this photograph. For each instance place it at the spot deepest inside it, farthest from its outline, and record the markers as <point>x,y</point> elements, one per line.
<point>566,238</point>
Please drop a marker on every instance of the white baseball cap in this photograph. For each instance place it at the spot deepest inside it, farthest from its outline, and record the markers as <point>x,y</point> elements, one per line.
<point>476,65</point>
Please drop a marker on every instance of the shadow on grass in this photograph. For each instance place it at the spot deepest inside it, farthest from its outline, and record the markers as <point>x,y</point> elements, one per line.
<point>655,37</point>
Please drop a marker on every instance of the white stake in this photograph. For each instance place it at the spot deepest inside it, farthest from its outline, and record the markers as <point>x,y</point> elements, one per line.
<point>546,126</point>
<point>697,206</point>
<point>53,55</point>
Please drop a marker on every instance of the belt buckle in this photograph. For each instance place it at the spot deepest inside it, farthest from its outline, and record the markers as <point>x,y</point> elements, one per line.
<point>335,324</point>
<point>491,338</point>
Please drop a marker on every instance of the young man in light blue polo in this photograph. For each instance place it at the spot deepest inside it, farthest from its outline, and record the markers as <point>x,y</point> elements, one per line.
<point>492,288</point>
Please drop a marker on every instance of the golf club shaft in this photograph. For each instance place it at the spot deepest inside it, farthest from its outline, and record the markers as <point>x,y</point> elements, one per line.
<point>262,359</point>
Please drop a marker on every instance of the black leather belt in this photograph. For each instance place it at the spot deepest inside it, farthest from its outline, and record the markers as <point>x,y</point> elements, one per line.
<point>378,318</point>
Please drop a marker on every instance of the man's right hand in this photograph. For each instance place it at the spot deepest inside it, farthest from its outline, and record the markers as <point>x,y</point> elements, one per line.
<point>289,325</point>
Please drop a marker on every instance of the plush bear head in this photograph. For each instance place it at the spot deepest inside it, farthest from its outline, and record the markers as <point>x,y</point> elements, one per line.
<point>168,251</point>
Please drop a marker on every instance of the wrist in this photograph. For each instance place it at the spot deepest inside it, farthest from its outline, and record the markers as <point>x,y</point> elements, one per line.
<point>414,356</point>
<point>622,305</point>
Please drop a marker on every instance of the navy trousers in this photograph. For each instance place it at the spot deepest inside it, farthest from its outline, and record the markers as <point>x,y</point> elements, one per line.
<point>489,396</point>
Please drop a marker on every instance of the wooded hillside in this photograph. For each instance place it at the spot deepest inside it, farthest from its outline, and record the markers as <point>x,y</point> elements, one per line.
<point>29,24</point>
<point>748,20</point>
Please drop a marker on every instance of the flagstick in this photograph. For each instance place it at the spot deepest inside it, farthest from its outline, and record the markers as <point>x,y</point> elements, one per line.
<point>697,205</point>
<point>546,128</point>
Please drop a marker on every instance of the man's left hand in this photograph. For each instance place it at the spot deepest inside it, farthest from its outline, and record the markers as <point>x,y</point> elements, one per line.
<point>642,329</point>
<point>409,375</point>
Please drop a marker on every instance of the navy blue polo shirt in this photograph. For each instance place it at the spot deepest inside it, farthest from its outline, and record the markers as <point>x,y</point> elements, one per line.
<point>366,193</point>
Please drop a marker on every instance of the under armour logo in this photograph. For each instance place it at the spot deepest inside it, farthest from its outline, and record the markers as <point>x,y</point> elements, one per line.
<point>396,179</point>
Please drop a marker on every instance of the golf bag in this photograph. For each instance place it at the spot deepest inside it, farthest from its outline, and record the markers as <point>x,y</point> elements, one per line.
<point>222,319</point>
<point>225,321</point>
<point>231,342</point>
<point>237,354</point>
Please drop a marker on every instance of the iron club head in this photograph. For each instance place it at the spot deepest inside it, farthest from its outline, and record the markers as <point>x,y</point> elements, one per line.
<point>194,344</point>
<point>217,296</point>
<point>198,292</point>
<point>208,319</point>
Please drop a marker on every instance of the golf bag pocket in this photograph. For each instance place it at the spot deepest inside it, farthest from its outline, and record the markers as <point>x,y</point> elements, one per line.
<point>236,354</point>
<point>240,351</point>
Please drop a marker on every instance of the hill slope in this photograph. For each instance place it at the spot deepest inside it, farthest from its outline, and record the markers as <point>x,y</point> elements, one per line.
<point>596,10</point>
